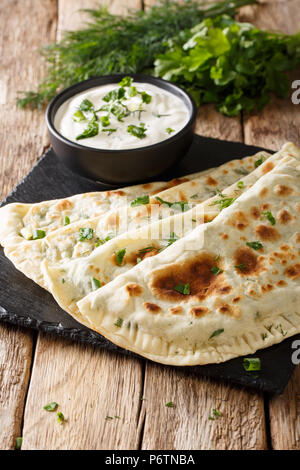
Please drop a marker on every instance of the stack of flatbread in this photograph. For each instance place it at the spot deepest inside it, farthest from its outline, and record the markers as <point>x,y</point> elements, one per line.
<point>193,271</point>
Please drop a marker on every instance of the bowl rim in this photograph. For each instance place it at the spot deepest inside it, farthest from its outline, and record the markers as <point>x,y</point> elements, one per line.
<point>76,88</point>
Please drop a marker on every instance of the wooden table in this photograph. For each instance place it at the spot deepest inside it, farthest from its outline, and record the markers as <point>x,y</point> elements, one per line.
<point>90,384</point>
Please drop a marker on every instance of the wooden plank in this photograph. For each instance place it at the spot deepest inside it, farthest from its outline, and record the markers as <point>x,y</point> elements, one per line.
<point>187,426</point>
<point>279,122</point>
<point>88,384</point>
<point>284,413</point>
<point>23,138</point>
<point>15,362</point>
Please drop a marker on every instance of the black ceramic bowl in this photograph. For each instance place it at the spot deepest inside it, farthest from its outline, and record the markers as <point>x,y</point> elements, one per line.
<point>121,166</point>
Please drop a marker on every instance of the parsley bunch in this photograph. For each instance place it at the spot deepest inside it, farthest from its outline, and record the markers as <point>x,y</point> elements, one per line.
<point>117,44</point>
<point>234,65</point>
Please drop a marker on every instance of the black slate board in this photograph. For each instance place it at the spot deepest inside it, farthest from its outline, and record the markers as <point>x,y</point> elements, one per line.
<point>24,303</point>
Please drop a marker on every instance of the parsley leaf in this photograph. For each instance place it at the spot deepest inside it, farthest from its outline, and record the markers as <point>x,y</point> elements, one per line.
<point>51,406</point>
<point>216,333</point>
<point>91,130</point>
<point>269,216</point>
<point>85,234</point>
<point>183,288</point>
<point>254,245</point>
<point>120,256</point>
<point>259,162</point>
<point>183,205</point>
<point>140,200</point>
<point>215,270</point>
<point>137,131</point>
<point>37,234</point>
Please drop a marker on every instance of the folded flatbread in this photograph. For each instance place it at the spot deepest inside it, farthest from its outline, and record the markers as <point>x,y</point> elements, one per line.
<point>228,288</point>
<point>84,234</point>
<point>72,280</point>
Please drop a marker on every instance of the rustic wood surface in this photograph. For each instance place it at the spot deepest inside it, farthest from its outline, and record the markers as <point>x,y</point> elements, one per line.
<point>100,393</point>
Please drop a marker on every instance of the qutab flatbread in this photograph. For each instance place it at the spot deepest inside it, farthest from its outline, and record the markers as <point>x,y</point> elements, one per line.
<point>79,239</point>
<point>72,280</point>
<point>228,288</point>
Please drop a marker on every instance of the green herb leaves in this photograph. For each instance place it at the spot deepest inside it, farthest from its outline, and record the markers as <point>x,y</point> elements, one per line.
<point>183,288</point>
<point>258,162</point>
<point>119,322</point>
<point>140,200</point>
<point>60,417</point>
<point>170,404</point>
<point>269,216</point>
<point>251,364</point>
<point>116,44</point>
<point>37,234</point>
<point>85,234</point>
<point>216,333</point>
<point>215,270</point>
<point>86,105</point>
<point>215,414</point>
<point>169,130</point>
<point>120,256</point>
<point>223,202</point>
<point>254,245</point>
<point>233,64</point>
<point>182,205</point>
<point>51,406</point>
<point>137,131</point>
<point>91,130</point>
<point>96,284</point>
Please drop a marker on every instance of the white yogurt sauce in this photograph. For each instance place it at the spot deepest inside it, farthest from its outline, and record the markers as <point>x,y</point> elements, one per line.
<point>164,116</point>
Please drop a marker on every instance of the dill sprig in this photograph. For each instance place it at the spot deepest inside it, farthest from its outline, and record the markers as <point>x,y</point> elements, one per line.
<point>116,44</point>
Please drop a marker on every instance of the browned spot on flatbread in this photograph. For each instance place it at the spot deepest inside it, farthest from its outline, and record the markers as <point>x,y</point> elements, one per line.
<point>284,217</point>
<point>236,299</point>
<point>268,166</point>
<point>229,310</point>
<point>239,220</point>
<point>211,181</point>
<point>255,212</point>
<point>153,308</point>
<point>285,247</point>
<point>63,205</point>
<point>281,283</point>
<point>267,287</point>
<point>225,172</point>
<point>182,196</point>
<point>293,271</point>
<point>147,186</point>
<point>199,311</point>
<point>266,233</point>
<point>263,192</point>
<point>282,190</point>
<point>248,261</point>
<point>196,272</point>
<point>224,236</point>
<point>176,310</point>
<point>171,184</point>
<point>133,289</point>
<point>119,193</point>
<point>297,237</point>
<point>265,207</point>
